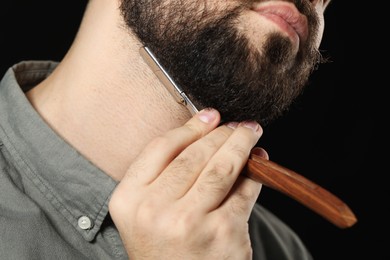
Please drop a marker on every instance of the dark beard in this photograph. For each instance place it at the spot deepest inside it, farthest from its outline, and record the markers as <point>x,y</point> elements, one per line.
<point>216,66</point>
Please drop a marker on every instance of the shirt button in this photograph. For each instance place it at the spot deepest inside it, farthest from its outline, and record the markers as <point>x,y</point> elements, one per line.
<point>85,222</point>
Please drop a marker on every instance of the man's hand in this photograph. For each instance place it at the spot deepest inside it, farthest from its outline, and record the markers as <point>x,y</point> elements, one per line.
<point>184,198</point>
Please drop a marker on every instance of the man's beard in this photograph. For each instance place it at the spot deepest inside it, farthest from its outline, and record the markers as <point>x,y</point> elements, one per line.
<point>216,65</point>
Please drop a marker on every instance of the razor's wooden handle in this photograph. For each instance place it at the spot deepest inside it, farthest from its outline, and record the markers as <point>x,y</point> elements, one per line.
<point>300,189</point>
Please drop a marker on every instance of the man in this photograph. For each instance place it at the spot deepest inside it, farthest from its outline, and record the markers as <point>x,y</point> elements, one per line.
<point>98,161</point>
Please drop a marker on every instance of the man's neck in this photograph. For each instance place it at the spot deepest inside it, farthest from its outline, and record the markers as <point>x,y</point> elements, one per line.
<point>102,98</point>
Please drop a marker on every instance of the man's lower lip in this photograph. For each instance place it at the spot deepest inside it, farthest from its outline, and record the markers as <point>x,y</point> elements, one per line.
<point>283,25</point>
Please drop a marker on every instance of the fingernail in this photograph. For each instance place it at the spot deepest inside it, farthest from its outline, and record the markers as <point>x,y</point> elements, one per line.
<point>251,125</point>
<point>207,115</point>
<point>260,152</point>
<point>232,125</point>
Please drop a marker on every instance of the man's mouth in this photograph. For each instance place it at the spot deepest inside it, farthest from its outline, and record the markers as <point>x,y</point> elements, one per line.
<point>286,16</point>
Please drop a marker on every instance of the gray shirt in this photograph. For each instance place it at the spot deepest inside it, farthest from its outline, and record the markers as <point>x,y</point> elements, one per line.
<point>54,202</point>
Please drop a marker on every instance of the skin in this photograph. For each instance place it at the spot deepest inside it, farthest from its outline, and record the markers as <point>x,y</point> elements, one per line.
<point>119,116</point>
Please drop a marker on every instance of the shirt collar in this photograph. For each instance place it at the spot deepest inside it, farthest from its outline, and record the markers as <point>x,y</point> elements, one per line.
<point>76,188</point>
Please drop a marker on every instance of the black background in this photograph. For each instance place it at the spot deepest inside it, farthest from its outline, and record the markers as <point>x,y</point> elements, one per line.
<point>333,135</point>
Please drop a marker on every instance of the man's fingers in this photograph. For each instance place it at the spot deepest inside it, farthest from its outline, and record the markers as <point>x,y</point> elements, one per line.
<point>183,171</point>
<point>221,172</point>
<point>242,197</point>
<point>162,150</point>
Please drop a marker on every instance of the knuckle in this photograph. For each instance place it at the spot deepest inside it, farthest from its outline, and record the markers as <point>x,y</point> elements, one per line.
<point>220,169</point>
<point>239,150</point>
<point>245,192</point>
<point>215,180</point>
<point>218,172</point>
<point>159,142</point>
<point>185,225</point>
<point>226,227</point>
<point>194,130</point>
<point>147,213</point>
